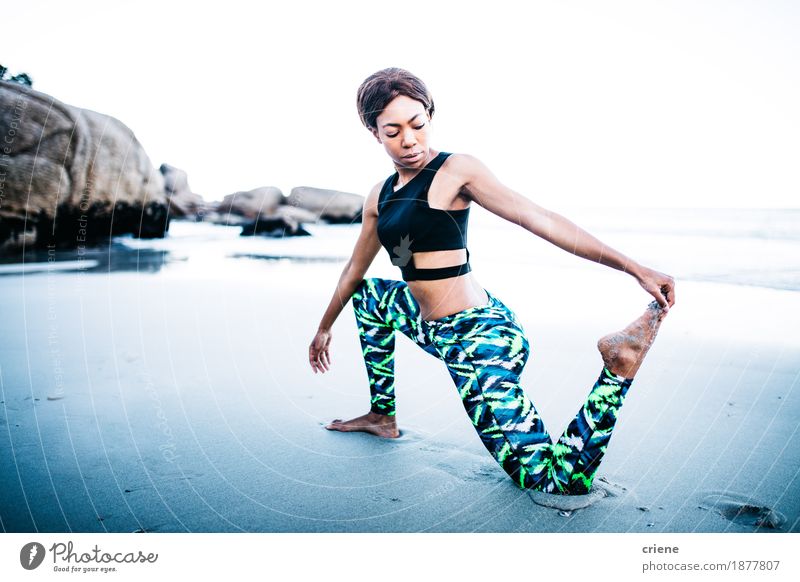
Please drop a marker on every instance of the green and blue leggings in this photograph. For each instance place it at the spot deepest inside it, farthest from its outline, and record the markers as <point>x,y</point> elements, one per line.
<point>485,350</point>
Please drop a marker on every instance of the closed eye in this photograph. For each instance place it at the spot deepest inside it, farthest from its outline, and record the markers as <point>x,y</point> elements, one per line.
<point>398,133</point>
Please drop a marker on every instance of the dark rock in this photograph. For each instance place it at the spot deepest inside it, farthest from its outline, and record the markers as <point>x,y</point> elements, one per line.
<point>70,176</point>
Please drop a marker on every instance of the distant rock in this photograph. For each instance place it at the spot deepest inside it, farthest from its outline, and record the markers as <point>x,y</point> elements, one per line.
<point>70,176</point>
<point>252,204</point>
<point>284,221</point>
<point>210,214</point>
<point>332,206</point>
<point>182,201</point>
<point>267,211</point>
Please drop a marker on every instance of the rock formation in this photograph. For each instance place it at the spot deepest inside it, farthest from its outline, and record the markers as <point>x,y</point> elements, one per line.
<point>331,206</point>
<point>183,203</point>
<point>251,204</point>
<point>70,177</point>
<point>267,211</point>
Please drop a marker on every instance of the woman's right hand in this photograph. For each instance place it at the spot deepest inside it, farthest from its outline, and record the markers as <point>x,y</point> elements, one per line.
<point>318,354</point>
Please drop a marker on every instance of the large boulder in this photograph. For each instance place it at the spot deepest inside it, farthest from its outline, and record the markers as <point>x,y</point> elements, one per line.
<point>71,176</point>
<point>331,206</point>
<point>182,201</point>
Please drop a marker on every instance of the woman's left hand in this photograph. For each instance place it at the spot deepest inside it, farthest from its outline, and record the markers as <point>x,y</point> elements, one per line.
<point>659,285</point>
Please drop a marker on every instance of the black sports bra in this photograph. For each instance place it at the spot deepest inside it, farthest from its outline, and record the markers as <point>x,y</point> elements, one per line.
<point>406,224</point>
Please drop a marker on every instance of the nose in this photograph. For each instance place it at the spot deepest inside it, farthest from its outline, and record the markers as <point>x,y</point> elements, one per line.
<point>409,139</point>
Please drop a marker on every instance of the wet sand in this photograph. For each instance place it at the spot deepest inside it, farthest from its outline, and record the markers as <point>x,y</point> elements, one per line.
<point>180,399</point>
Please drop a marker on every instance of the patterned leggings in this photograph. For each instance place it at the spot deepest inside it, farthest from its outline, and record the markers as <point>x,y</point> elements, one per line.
<point>485,350</point>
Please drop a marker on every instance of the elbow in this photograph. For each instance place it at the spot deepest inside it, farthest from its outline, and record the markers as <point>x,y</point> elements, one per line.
<point>353,272</point>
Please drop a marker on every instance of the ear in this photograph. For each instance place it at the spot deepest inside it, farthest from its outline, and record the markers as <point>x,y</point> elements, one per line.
<point>375,133</point>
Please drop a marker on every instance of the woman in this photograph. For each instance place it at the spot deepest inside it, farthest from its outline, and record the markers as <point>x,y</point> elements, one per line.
<point>420,214</point>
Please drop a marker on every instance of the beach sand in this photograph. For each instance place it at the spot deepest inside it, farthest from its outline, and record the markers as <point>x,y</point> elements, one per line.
<point>181,399</point>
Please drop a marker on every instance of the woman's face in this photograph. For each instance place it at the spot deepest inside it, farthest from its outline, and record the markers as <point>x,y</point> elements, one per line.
<point>404,130</point>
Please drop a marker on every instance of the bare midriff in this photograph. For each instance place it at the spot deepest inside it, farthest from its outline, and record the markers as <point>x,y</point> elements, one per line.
<point>438,298</point>
<point>441,297</point>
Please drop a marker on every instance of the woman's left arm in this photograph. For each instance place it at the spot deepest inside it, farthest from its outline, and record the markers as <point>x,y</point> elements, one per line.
<point>485,189</point>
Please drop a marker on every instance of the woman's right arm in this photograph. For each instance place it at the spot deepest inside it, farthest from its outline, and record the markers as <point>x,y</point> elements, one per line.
<point>367,247</point>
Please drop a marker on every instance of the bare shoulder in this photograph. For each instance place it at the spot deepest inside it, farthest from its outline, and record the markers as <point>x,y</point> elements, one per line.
<point>371,202</point>
<point>480,185</point>
<point>469,174</point>
<point>465,166</point>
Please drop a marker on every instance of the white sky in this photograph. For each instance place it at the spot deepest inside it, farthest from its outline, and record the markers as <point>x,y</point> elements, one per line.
<point>642,103</point>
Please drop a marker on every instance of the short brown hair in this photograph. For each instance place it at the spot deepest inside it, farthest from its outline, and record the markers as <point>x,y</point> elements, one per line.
<point>378,90</point>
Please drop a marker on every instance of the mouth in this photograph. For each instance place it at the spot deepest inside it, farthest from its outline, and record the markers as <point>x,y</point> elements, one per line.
<point>412,156</point>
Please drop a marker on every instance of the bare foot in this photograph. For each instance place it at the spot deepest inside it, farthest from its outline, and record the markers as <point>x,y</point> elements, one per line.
<point>381,425</point>
<point>624,351</point>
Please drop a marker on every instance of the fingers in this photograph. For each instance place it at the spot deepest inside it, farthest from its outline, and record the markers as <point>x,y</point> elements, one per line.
<point>660,286</point>
<point>320,361</point>
<point>318,355</point>
<point>327,359</point>
<point>312,358</point>
<point>668,290</point>
<point>665,295</point>
<point>315,359</point>
<point>662,301</point>
<point>323,361</point>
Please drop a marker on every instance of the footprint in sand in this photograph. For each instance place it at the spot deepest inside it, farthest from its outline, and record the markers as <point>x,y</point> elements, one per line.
<point>566,504</point>
<point>742,510</point>
<point>411,434</point>
<point>407,434</point>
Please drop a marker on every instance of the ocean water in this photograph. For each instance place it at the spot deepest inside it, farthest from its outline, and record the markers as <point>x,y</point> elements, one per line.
<point>757,247</point>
